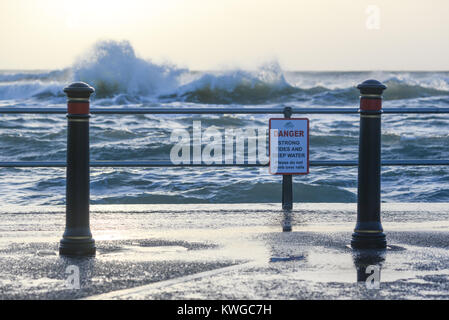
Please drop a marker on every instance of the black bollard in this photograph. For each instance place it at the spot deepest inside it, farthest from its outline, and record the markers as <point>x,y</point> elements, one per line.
<point>368,232</point>
<point>287,179</point>
<point>77,239</point>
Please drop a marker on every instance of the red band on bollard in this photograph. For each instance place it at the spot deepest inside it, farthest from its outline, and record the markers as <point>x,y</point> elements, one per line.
<point>78,107</point>
<point>370,104</point>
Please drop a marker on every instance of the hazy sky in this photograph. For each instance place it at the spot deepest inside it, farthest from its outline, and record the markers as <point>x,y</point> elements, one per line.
<point>210,34</point>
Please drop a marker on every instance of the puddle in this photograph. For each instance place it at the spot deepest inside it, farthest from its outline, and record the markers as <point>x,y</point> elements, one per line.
<point>44,253</point>
<point>155,249</point>
<point>146,253</point>
<point>289,258</point>
<point>388,248</point>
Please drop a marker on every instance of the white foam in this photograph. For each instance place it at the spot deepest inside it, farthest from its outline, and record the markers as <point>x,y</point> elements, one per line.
<point>113,66</point>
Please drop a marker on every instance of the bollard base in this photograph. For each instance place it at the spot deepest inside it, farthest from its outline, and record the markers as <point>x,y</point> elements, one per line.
<point>362,240</point>
<point>77,247</point>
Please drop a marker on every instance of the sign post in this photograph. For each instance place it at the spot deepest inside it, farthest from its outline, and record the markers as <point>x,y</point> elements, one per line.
<point>289,153</point>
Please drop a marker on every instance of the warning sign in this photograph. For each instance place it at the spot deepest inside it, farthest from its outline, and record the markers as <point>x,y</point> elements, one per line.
<point>289,146</point>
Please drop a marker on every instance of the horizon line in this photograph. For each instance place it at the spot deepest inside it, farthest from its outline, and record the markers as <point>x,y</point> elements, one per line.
<point>284,70</point>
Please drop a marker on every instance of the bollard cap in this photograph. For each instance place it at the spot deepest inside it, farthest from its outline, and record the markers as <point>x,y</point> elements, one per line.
<point>79,90</point>
<point>371,87</point>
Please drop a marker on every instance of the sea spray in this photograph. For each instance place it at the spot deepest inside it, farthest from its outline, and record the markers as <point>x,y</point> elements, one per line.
<point>263,85</point>
<point>112,68</point>
<point>121,77</point>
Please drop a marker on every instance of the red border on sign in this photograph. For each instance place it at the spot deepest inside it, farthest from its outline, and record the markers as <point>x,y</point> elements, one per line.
<point>269,146</point>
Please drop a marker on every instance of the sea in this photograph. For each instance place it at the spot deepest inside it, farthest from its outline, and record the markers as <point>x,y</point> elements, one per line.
<point>122,79</point>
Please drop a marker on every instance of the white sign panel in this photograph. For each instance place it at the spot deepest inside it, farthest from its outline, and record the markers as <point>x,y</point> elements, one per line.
<point>289,146</point>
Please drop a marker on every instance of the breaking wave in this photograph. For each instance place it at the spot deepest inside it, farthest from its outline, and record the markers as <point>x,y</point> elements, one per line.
<point>244,87</point>
<point>113,68</point>
<point>121,77</point>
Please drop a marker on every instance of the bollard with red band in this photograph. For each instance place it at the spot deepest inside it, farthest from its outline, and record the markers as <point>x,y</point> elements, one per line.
<point>77,239</point>
<point>368,233</point>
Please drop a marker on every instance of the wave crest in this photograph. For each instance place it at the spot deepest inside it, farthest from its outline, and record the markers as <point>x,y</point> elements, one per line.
<point>266,84</point>
<point>120,77</point>
<point>113,68</point>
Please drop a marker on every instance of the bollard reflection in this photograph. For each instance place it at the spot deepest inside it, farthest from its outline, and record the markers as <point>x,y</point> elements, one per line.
<point>287,221</point>
<point>368,262</point>
<point>77,272</point>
